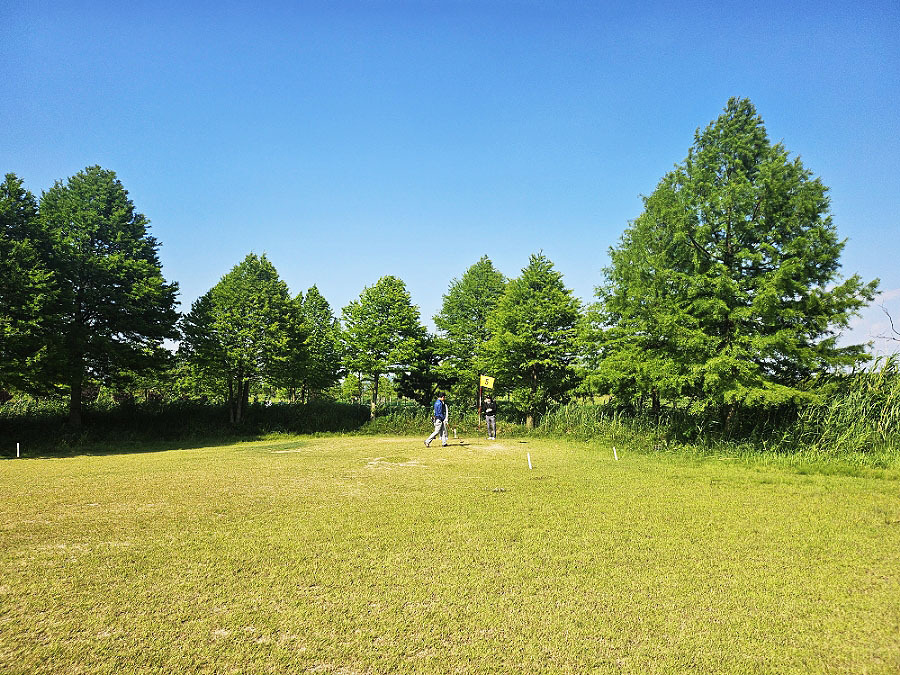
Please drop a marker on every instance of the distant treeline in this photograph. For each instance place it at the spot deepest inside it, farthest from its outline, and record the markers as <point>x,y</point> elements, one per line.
<point>717,316</point>
<point>858,414</point>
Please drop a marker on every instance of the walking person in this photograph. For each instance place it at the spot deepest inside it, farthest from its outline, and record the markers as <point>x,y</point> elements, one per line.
<point>490,416</point>
<point>440,418</point>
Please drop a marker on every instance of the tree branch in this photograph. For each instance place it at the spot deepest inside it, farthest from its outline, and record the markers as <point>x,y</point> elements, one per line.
<point>893,327</point>
<point>699,247</point>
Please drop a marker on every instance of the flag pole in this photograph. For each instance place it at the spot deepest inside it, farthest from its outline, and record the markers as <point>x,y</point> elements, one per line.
<point>479,404</point>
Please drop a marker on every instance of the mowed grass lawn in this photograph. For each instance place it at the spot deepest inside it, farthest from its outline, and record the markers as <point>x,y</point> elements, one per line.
<point>377,555</point>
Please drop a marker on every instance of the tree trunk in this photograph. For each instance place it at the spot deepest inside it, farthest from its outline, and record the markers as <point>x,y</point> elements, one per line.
<point>374,396</point>
<point>75,400</point>
<point>730,411</point>
<point>230,400</point>
<point>243,398</point>
<point>529,418</point>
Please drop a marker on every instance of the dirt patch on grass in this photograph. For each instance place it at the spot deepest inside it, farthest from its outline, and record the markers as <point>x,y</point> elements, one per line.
<point>389,462</point>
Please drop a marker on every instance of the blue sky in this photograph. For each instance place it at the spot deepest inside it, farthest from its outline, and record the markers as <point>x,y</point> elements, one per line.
<point>350,140</point>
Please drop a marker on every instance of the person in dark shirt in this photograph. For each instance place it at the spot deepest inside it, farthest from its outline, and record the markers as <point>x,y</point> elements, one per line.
<point>440,417</point>
<point>490,416</point>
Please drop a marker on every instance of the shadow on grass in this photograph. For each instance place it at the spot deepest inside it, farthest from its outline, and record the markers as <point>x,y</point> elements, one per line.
<point>136,429</point>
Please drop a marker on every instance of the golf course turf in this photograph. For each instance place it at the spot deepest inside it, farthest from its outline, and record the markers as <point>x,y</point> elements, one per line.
<point>351,554</point>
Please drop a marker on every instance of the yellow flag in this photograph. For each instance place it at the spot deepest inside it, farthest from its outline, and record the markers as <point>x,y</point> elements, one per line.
<point>487,381</point>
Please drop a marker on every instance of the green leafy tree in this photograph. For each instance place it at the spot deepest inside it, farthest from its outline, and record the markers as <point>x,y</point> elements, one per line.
<point>314,362</point>
<point>290,372</point>
<point>425,376</point>
<point>639,322</point>
<point>202,361</point>
<point>462,325</point>
<point>323,344</point>
<point>26,288</point>
<point>386,389</point>
<point>113,308</point>
<point>533,338</point>
<point>351,388</point>
<point>239,332</point>
<point>382,332</point>
<point>726,289</point>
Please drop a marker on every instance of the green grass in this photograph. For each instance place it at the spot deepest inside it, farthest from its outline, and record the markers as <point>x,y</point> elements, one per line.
<point>377,555</point>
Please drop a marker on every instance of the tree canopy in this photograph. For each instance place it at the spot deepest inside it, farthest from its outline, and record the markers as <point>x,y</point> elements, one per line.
<point>463,324</point>
<point>725,293</point>
<point>239,331</point>
<point>112,308</point>
<point>27,288</point>
<point>322,343</point>
<point>382,331</point>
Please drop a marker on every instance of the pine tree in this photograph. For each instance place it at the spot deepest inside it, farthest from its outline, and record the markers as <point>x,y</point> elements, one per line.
<point>26,288</point>
<point>726,289</point>
<point>113,308</point>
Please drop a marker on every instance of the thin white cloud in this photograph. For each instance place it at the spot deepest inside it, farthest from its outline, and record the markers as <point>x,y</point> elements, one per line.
<point>887,296</point>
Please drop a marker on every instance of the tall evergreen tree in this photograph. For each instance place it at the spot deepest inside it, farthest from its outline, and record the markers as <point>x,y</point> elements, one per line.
<point>533,338</point>
<point>113,308</point>
<point>727,288</point>
<point>462,324</point>
<point>26,288</point>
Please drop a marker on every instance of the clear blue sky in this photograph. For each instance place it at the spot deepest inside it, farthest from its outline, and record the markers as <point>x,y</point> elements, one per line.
<point>350,140</point>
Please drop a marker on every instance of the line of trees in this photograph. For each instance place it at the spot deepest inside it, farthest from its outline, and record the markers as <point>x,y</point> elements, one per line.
<point>723,295</point>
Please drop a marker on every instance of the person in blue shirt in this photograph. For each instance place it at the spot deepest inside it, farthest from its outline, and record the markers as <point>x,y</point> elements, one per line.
<point>440,418</point>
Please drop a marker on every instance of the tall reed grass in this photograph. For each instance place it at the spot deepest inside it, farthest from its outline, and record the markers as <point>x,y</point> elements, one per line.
<point>861,414</point>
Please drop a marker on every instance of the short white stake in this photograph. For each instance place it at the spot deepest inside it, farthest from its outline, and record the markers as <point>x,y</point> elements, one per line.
<point>615,454</point>
<point>17,451</point>
<point>454,433</point>
<point>529,459</point>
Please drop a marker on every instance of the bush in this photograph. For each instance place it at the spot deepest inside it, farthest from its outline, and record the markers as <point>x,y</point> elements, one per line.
<point>41,424</point>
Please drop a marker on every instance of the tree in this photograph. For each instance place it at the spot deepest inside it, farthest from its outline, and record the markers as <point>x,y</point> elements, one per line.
<point>113,308</point>
<point>533,337</point>
<point>239,331</point>
<point>382,332</point>
<point>202,361</point>
<point>726,288</point>
<point>322,344</point>
<point>462,324</point>
<point>292,370</point>
<point>351,388</point>
<point>424,378</point>
<point>639,325</point>
<point>894,334</point>
<point>26,288</point>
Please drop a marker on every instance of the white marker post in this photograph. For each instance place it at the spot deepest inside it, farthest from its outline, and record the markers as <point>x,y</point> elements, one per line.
<point>615,454</point>
<point>529,459</point>
<point>17,451</point>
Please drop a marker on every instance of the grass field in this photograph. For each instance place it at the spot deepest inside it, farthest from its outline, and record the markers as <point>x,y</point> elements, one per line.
<point>377,555</point>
